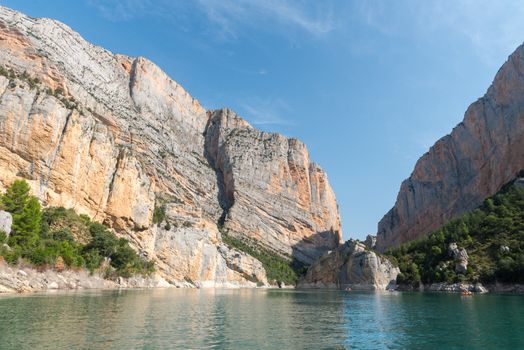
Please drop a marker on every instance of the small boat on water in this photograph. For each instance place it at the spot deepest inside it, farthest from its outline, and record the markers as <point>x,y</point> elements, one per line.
<point>348,289</point>
<point>466,293</point>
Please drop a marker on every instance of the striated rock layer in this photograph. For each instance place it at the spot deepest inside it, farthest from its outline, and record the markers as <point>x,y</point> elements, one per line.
<point>114,137</point>
<point>481,154</point>
<point>271,190</point>
<point>352,265</point>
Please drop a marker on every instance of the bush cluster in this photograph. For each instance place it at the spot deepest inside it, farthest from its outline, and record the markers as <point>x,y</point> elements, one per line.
<point>57,235</point>
<point>278,268</point>
<point>493,236</point>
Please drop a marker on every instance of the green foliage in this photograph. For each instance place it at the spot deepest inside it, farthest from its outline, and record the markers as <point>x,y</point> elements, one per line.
<point>278,269</point>
<point>16,197</point>
<point>105,244</point>
<point>26,213</point>
<point>49,250</point>
<point>493,236</point>
<point>41,237</point>
<point>11,74</point>
<point>60,223</point>
<point>159,214</point>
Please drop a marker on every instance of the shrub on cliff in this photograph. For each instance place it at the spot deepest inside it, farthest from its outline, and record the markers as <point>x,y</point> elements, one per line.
<point>278,269</point>
<point>123,258</point>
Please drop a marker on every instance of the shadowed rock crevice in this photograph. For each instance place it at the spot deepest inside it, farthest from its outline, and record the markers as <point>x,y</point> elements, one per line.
<point>211,148</point>
<point>307,249</point>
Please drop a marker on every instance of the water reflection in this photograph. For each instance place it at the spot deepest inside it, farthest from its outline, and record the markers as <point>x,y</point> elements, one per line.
<point>269,319</point>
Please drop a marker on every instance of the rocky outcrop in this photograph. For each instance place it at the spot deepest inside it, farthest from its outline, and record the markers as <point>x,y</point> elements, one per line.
<point>371,241</point>
<point>114,138</point>
<point>250,268</point>
<point>460,257</point>
<point>457,287</point>
<point>6,220</point>
<point>353,266</point>
<point>482,153</point>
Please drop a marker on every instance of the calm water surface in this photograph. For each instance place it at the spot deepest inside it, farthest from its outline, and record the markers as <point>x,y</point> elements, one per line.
<point>260,319</point>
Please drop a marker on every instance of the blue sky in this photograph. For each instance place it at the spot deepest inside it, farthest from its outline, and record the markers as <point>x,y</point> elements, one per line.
<point>367,85</point>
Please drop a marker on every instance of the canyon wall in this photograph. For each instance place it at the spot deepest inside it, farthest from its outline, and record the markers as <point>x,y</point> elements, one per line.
<point>114,138</point>
<point>482,153</point>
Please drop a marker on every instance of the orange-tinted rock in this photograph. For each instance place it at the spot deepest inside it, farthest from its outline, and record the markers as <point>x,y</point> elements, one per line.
<point>113,136</point>
<point>271,191</point>
<point>481,154</point>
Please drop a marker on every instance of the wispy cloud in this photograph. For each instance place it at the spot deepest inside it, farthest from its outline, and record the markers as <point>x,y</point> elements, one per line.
<point>228,14</point>
<point>266,112</point>
<point>228,17</point>
<point>120,10</point>
<point>492,28</point>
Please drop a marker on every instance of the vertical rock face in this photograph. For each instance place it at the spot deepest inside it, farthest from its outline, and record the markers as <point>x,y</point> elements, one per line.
<point>351,265</point>
<point>114,137</point>
<point>480,155</point>
<point>271,191</point>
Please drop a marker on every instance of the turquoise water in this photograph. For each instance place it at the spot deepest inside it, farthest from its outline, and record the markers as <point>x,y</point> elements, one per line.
<point>260,319</point>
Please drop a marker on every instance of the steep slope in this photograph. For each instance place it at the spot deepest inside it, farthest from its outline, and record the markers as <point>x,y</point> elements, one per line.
<point>115,138</point>
<point>481,154</point>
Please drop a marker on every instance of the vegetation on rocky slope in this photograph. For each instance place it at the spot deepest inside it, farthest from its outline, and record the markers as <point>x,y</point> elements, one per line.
<point>278,269</point>
<point>60,237</point>
<point>493,236</point>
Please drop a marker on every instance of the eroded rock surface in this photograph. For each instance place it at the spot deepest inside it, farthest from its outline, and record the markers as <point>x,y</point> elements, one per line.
<point>482,153</point>
<point>371,241</point>
<point>272,192</point>
<point>6,220</point>
<point>23,279</point>
<point>114,137</point>
<point>351,265</point>
<point>460,257</point>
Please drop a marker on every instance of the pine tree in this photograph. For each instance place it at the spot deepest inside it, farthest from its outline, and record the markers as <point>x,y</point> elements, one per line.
<point>26,212</point>
<point>16,197</point>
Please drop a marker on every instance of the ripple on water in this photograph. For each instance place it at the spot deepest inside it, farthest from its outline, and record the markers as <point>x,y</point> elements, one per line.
<point>263,319</point>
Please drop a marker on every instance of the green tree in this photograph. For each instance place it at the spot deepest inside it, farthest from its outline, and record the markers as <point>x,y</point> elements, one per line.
<point>16,197</point>
<point>26,212</point>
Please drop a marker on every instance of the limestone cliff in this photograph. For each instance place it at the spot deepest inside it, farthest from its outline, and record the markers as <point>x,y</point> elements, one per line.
<point>351,265</point>
<point>114,137</point>
<point>272,192</point>
<point>481,154</point>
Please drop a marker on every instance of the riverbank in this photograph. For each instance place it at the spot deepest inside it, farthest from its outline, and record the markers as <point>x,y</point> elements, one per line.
<point>23,278</point>
<point>26,279</point>
<point>470,287</point>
